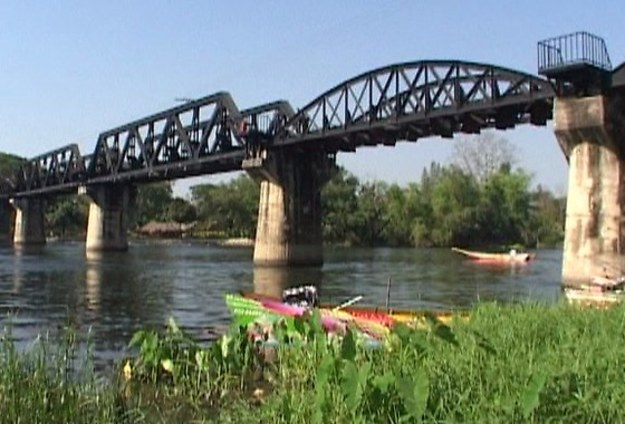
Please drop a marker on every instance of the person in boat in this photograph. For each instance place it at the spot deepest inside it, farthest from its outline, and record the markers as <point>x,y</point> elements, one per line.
<point>512,253</point>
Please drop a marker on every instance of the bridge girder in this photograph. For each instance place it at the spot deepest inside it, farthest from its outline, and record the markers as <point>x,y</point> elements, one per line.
<point>181,135</point>
<point>62,167</point>
<point>411,100</point>
<point>406,101</point>
<point>200,137</point>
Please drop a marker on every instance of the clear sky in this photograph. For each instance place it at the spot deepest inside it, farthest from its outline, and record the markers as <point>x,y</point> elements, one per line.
<point>72,69</point>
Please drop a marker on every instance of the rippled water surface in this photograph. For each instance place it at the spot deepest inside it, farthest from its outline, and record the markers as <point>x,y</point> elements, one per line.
<point>113,295</point>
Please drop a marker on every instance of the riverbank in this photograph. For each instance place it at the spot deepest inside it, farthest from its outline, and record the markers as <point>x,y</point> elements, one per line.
<point>508,363</point>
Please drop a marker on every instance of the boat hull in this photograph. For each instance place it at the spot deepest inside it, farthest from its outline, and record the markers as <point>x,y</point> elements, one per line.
<point>503,258</point>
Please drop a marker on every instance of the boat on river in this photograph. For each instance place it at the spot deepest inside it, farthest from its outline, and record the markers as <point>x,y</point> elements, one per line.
<point>372,322</point>
<point>511,257</point>
<point>600,292</point>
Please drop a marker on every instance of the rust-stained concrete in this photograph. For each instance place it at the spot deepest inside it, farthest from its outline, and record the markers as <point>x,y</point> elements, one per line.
<point>590,132</point>
<point>289,212</point>
<point>108,217</point>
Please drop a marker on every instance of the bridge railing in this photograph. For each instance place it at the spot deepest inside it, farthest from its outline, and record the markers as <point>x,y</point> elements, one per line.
<point>579,48</point>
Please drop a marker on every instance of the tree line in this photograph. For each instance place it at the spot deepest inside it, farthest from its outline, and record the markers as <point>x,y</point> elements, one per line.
<point>478,198</point>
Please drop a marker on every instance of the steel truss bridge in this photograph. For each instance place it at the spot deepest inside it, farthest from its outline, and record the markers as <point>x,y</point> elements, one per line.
<point>401,102</point>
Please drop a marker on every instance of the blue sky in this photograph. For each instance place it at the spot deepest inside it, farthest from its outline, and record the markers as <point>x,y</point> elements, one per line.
<point>72,69</point>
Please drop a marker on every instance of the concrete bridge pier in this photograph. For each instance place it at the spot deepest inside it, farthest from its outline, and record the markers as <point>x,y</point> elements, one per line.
<point>289,213</point>
<point>108,217</point>
<point>591,133</point>
<point>6,221</point>
<point>29,221</point>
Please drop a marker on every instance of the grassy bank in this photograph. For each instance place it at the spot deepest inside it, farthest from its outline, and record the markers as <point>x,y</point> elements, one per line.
<point>515,363</point>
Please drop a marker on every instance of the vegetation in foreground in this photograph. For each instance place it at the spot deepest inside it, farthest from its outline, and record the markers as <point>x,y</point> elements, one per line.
<point>518,363</point>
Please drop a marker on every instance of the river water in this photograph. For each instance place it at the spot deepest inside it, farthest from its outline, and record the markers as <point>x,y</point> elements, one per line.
<point>111,296</point>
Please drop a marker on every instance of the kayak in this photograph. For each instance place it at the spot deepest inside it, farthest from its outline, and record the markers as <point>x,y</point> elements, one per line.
<point>513,256</point>
<point>254,309</point>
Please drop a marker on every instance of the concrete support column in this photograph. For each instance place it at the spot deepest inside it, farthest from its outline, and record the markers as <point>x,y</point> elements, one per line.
<point>6,222</point>
<point>29,223</point>
<point>289,212</point>
<point>108,217</point>
<point>591,133</point>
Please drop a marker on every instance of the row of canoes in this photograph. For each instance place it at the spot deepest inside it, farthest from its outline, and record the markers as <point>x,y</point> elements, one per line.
<point>260,312</point>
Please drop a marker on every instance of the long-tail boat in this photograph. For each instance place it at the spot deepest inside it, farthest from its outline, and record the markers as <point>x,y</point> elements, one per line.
<point>511,257</point>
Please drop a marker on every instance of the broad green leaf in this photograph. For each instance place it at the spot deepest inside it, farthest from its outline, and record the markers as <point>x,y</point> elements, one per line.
<point>349,385</point>
<point>315,323</point>
<point>422,392</point>
<point>403,332</point>
<point>299,326</point>
<point>405,387</point>
<point>363,374</point>
<point>414,393</point>
<point>324,370</point>
<point>530,398</point>
<point>348,346</point>
<point>383,382</point>
<point>137,338</point>
<point>321,386</point>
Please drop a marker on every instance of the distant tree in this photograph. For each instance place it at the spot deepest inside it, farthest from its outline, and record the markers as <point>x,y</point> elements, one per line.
<point>339,204</point>
<point>399,214</point>
<point>67,216</point>
<point>504,208</point>
<point>371,221</point>
<point>180,210</point>
<point>152,202</point>
<point>8,166</point>
<point>454,199</point>
<point>547,216</point>
<point>483,155</point>
<point>230,208</point>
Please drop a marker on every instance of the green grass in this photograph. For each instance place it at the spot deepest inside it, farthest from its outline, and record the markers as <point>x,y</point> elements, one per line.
<point>44,384</point>
<point>509,363</point>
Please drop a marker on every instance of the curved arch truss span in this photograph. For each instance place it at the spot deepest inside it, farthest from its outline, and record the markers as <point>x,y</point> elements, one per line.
<point>419,99</point>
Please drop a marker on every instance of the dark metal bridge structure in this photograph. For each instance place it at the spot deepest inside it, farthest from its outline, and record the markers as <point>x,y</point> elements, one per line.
<point>401,102</point>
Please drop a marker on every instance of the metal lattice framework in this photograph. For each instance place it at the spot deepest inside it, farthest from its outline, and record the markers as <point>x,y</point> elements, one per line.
<point>60,168</point>
<point>420,99</point>
<point>183,135</point>
<point>199,137</point>
<point>399,102</point>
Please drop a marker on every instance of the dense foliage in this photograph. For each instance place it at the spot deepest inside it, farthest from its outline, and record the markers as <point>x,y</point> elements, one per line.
<point>447,207</point>
<point>9,164</point>
<point>516,363</point>
<point>229,209</point>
